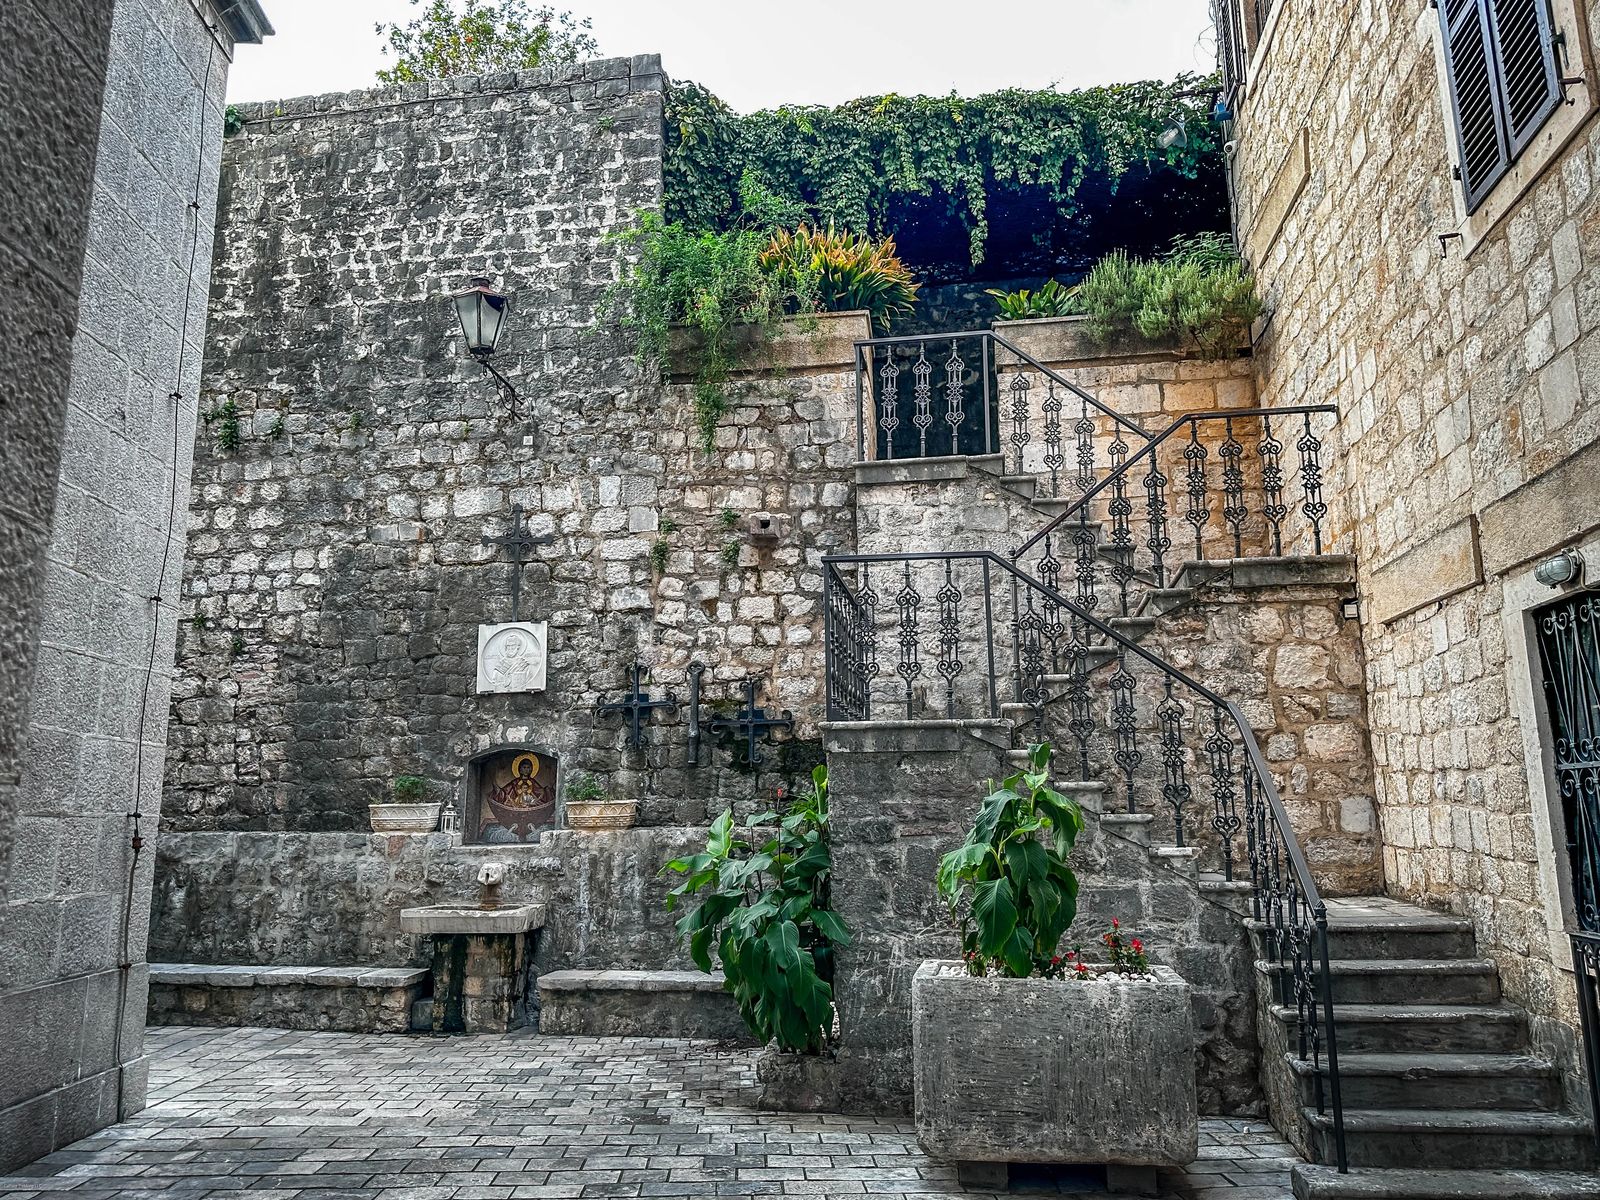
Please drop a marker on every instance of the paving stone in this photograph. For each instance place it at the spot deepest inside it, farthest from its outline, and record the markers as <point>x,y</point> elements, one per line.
<point>265,1114</point>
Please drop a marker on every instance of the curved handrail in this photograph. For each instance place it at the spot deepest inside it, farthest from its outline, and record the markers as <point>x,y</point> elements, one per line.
<point>1149,449</point>
<point>1305,889</point>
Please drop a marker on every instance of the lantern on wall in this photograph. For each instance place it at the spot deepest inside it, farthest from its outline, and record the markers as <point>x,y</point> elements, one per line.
<point>482,312</point>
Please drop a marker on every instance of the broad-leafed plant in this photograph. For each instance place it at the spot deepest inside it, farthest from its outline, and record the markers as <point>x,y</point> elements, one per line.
<point>1051,299</point>
<point>476,37</point>
<point>764,910</point>
<point>1013,868</point>
<point>850,271</point>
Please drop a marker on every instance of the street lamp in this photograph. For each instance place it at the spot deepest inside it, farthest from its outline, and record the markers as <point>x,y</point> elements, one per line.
<point>482,313</point>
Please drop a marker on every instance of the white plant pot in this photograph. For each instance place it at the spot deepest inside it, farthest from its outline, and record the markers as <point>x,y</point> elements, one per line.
<point>592,816</point>
<point>404,818</point>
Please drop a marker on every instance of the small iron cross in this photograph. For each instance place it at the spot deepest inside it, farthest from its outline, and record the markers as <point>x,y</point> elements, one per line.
<point>637,706</point>
<point>752,723</point>
<point>519,541</point>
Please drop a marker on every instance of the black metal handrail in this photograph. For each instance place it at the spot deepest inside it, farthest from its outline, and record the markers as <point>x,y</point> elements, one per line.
<point>1285,898</point>
<point>1205,501</point>
<point>967,432</point>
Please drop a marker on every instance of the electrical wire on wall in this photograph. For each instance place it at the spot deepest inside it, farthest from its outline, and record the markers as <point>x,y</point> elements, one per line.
<point>158,592</point>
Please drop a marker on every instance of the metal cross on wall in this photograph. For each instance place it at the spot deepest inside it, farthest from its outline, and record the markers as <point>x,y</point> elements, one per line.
<point>637,706</point>
<point>519,541</point>
<point>752,723</point>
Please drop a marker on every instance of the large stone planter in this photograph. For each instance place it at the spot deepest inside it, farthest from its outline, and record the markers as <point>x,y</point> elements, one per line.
<point>825,341</point>
<point>1055,1071</point>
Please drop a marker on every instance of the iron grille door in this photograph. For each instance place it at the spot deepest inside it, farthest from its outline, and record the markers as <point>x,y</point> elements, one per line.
<point>1568,633</point>
<point>1569,653</point>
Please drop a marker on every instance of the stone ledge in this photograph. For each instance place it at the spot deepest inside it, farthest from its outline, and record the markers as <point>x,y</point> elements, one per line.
<point>209,975</point>
<point>896,737</point>
<point>1289,570</point>
<point>631,981</point>
<point>829,345</point>
<point>924,470</point>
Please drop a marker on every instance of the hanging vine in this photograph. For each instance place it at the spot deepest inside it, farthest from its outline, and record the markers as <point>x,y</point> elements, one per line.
<point>848,164</point>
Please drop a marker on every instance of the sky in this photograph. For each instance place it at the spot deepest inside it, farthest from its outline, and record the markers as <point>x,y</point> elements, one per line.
<point>757,54</point>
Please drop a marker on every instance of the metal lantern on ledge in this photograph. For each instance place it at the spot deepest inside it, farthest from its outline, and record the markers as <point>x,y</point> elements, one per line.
<point>482,311</point>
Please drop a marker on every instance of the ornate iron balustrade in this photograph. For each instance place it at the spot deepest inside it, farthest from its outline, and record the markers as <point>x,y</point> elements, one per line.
<point>1236,483</point>
<point>967,634</point>
<point>935,395</point>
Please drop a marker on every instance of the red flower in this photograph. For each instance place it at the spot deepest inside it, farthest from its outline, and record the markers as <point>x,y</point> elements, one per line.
<point>1115,924</point>
<point>1056,961</point>
<point>1138,946</point>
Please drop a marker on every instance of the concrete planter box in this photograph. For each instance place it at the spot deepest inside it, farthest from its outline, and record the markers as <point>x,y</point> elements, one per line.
<point>593,816</point>
<point>404,818</point>
<point>827,345</point>
<point>1066,340</point>
<point>1054,1071</point>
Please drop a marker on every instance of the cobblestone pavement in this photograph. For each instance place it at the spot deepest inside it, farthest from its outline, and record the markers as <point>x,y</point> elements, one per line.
<point>266,1114</point>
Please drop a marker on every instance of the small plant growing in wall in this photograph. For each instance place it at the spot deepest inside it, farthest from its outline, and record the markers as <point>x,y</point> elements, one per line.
<point>729,518</point>
<point>730,553</point>
<point>232,122</point>
<point>659,549</point>
<point>766,912</point>
<point>223,419</point>
<point>353,425</point>
<point>236,645</point>
<point>277,429</point>
<point>1013,870</point>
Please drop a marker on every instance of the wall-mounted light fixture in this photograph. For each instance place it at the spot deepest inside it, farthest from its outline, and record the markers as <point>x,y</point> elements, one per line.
<point>482,312</point>
<point>1565,568</point>
<point>1350,609</point>
<point>1175,136</point>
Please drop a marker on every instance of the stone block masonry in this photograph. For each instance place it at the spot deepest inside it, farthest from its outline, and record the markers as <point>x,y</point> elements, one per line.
<point>337,571</point>
<point>108,386</point>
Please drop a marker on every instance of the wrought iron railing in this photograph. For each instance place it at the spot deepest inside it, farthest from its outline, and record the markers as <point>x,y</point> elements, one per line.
<point>936,395</point>
<point>1127,524</point>
<point>969,634</point>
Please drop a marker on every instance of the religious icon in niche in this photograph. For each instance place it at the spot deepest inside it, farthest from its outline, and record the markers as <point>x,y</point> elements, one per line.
<point>511,657</point>
<point>518,791</point>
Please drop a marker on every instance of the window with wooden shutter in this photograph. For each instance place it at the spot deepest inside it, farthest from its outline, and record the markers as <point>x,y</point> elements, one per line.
<point>1504,84</point>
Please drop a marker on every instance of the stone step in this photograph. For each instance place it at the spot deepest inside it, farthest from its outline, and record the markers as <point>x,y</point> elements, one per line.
<point>1181,859</point>
<point>673,1004</point>
<point>1381,927</point>
<point>1454,1138</point>
<point>1436,1081</point>
<point>1413,1028</point>
<point>1134,827</point>
<point>1406,1183</point>
<point>1159,600</point>
<point>1409,980</point>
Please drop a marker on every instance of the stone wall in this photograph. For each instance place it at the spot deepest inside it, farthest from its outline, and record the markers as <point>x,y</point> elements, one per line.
<point>92,541</point>
<point>334,899</point>
<point>903,794</point>
<point>337,572</point>
<point>1467,372</point>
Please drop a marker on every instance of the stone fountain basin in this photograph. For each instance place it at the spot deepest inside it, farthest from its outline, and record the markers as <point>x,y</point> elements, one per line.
<point>471,918</point>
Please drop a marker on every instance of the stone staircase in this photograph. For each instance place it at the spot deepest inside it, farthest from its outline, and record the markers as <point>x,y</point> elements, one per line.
<point>1443,1096</point>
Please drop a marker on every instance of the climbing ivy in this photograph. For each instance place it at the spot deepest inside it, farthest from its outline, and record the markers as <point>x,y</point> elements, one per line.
<point>849,164</point>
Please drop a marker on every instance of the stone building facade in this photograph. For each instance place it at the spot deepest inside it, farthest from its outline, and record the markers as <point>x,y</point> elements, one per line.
<point>105,256</point>
<point>1463,350</point>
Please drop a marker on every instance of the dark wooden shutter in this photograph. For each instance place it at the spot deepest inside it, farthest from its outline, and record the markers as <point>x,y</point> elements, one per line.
<point>1528,79</point>
<point>1503,83</point>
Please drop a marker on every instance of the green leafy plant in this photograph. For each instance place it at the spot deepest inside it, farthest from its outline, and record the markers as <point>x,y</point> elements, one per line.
<point>354,422</point>
<point>236,645</point>
<point>659,549</point>
<point>1199,295</point>
<point>856,163</point>
<point>668,527</point>
<point>729,517</point>
<point>850,271</point>
<point>232,120</point>
<point>197,622</point>
<point>277,429</point>
<point>765,910</point>
<point>408,789</point>
<point>711,282</point>
<point>1052,299</point>
<point>225,418</point>
<point>1013,866</point>
<point>730,552</point>
<point>583,788</point>
<point>476,37</point>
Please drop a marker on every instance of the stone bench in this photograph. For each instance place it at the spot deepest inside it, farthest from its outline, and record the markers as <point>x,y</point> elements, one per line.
<point>349,999</point>
<point>668,1004</point>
